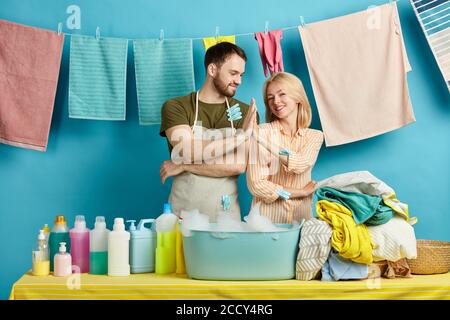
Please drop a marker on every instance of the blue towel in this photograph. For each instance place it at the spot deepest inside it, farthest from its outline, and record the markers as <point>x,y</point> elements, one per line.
<point>337,268</point>
<point>97,78</point>
<point>164,70</point>
<point>365,208</point>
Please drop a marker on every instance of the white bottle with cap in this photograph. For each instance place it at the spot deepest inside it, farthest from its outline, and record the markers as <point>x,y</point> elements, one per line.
<point>63,262</point>
<point>118,250</point>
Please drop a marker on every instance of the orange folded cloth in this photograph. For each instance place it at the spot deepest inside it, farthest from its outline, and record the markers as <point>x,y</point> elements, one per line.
<point>30,59</point>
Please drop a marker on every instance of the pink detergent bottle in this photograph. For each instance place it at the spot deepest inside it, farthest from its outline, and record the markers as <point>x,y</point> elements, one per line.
<point>79,246</point>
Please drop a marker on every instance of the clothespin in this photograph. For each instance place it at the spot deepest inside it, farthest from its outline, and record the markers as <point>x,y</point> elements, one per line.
<point>226,203</point>
<point>217,33</point>
<point>266,28</point>
<point>302,21</point>
<point>97,33</point>
<point>59,28</point>
<point>161,35</point>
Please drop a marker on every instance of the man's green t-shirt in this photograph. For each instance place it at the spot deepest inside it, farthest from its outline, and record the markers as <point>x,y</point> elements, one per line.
<point>181,110</point>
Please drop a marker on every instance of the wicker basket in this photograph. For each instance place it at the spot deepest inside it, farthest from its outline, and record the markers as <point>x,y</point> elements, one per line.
<point>432,257</point>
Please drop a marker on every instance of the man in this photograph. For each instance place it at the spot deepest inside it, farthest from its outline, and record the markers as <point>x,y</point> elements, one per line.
<point>207,135</point>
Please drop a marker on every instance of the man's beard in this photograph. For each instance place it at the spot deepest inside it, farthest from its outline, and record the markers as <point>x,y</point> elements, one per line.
<point>223,88</point>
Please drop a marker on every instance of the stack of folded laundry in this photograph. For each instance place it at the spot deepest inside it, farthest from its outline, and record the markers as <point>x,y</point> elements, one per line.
<point>362,228</point>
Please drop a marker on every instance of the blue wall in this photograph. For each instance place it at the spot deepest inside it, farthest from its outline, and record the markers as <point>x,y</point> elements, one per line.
<point>112,168</point>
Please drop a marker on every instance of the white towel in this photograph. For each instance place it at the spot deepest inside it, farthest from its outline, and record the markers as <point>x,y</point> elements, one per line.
<point>395,240</point>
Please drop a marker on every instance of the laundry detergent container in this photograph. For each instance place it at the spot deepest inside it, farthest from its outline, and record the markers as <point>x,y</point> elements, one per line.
<point>242,255</point>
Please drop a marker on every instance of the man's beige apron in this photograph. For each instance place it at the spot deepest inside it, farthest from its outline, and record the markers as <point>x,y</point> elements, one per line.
<point>191,191</point>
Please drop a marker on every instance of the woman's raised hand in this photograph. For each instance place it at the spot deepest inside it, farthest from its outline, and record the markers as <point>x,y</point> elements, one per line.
<point>249,123</point>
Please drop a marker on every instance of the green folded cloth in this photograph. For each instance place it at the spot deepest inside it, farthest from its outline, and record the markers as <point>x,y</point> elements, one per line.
<point>365,208</point>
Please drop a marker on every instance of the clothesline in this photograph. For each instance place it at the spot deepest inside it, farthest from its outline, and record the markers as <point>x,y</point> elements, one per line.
<point>252,33</point>
<point>162,33</point>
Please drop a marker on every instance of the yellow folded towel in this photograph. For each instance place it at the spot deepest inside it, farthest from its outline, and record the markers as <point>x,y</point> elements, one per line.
<point>351,240</point>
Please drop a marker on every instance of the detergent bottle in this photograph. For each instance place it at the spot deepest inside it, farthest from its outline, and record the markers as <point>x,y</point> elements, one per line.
<point>180,264</point>
<point>142,247</point>
<point>58,234</point>
<point>98,263</point>
<point>166,241</point>
<point>118,250</point>
<point>40,257</point>
<point>79,245</point>
<point>46,232</point>
<point>63,262</point>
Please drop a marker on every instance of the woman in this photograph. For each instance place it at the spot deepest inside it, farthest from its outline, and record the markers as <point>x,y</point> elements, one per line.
<point>283,152</point>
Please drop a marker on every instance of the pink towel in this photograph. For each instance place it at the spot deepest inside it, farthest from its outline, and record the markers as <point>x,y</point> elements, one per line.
<point>358,65</point>
<point>270,50</point>
<point>29,67</point>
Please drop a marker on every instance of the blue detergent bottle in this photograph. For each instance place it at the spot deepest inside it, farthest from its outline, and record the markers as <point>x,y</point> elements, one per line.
<point>142,247</point>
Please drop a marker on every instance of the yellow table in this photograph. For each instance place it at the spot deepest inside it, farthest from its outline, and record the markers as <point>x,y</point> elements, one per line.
<point>174,287</point>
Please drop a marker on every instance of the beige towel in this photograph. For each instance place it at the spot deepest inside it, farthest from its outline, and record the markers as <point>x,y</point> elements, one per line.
<point>358,65</point>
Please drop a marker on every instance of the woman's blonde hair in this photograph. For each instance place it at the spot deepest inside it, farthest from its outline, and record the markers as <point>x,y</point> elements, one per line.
<point>294,88</point>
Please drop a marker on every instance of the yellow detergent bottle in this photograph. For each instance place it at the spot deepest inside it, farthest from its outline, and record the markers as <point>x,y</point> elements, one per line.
<point>165,261</point>
<point>180,265</point>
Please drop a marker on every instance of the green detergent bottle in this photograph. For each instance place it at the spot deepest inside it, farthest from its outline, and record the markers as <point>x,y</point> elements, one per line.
<point>99,247</point>
<point>59,233</point>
